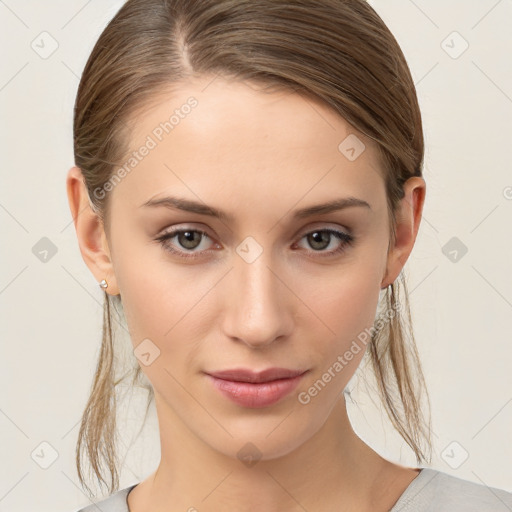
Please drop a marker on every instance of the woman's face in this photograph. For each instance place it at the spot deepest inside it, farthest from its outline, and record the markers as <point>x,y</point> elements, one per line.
<point>266,286</point>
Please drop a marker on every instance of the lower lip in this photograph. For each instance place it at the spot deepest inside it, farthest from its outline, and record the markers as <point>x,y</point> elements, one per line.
<point>255,395</point>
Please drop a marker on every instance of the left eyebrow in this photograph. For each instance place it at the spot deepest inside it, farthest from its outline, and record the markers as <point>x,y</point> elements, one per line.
<point>331,206</point>
<point>179,203</point>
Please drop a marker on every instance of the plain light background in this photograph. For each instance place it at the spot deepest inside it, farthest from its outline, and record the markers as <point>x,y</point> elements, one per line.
<point>459,273</point>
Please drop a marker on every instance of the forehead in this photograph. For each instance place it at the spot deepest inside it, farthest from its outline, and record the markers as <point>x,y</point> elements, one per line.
<point>231,140</point>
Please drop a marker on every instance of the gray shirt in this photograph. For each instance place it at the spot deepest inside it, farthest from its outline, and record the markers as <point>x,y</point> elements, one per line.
<point>430,491</point>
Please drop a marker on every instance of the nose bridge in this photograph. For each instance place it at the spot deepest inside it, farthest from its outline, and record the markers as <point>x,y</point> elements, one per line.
<point>257,312</point>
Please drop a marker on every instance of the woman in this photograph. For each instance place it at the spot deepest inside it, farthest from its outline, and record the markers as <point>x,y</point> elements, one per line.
<point>248,188</point>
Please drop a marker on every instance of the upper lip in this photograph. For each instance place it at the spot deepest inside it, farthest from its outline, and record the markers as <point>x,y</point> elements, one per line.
<point>245,375</point>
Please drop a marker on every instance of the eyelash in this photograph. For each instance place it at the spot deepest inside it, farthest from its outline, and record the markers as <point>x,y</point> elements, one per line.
<point>347,240</point>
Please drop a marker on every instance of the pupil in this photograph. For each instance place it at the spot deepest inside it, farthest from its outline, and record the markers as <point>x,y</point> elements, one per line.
<point>189,239</point>
<point>318,237</point>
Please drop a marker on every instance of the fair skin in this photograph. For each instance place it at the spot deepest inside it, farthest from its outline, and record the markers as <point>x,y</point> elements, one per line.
<point>259,157</point>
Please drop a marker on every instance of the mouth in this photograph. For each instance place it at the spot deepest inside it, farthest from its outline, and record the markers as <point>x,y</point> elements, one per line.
<point>256,389</point>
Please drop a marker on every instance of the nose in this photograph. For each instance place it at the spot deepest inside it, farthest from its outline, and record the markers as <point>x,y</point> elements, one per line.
<point>258,303</point>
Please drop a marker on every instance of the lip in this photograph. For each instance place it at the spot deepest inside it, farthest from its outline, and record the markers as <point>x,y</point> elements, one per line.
<point>256,389</point>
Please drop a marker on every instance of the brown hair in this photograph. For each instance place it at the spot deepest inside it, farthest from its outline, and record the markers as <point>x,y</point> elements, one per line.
<point>337,51</point>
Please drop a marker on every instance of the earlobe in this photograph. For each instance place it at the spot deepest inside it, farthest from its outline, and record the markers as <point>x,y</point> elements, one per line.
<point>408,219</point>
<point>90,231</point>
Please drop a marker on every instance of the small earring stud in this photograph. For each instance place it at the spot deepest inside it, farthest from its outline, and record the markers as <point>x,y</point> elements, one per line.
<point>103,284</point>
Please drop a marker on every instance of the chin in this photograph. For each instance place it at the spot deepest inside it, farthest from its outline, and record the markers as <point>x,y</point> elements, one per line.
<point>263,437</point>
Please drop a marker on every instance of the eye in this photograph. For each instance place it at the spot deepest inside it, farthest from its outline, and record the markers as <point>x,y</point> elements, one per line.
<point>188,240</point>
<point>322,238</point>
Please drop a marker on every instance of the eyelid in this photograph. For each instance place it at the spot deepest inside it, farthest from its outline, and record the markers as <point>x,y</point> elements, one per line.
<point>320,226</point>
<point>316,226</point>
<point>344,236</point>
<point>174,230</point>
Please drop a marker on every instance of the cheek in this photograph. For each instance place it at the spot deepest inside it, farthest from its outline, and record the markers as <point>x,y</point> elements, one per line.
<point>344,296</point>
<point>157,315</point>
<point>345,300</point>
<point>347,309</point>
<point>161,303</point>
<point>152,290</point>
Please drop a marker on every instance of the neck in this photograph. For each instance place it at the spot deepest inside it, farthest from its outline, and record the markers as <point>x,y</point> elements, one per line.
<point>333,469</point>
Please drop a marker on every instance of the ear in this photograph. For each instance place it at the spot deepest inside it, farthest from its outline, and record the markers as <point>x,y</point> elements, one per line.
<point>90,231</point>
<point>407,224</point>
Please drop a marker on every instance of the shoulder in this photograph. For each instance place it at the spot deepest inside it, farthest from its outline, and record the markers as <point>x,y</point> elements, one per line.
<point>116,502</point>
<point>434,490</point>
